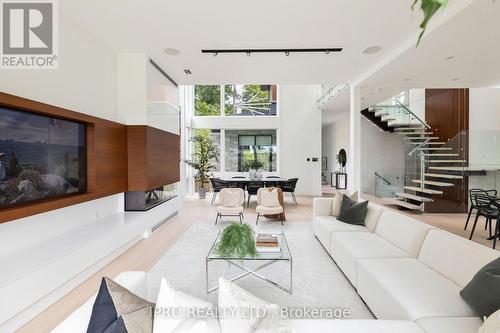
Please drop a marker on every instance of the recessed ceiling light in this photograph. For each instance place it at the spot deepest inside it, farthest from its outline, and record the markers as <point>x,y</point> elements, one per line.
<point>456,79</point>
<point>188,71</point>
<point>449,58</point>
<point>172,52</point>
<point>372,50</point>
<point>407,79</point>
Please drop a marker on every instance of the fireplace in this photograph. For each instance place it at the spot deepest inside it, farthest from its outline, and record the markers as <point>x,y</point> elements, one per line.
<point>140,201</point>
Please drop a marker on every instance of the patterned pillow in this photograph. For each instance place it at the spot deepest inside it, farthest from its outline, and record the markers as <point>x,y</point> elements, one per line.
<point>117,310</point>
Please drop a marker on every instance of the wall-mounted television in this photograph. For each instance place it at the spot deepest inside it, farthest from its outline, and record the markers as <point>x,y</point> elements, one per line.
<point>41,157</point>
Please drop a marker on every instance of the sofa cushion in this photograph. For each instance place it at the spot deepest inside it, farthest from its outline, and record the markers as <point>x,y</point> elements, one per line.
<point>241,312</point>
<point>450,324</point>
<point>455,257</point>
<point>347,247</point>
<point>352,212</point>
<point>372,216</point>
<point>404,288</point>
<point>354,326</point>
<point>325,225</point>
<point>173,312</point>
<point>403,231</point>
<point>483,292</point>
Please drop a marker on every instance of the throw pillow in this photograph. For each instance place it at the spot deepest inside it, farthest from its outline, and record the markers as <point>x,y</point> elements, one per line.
<point>242,312</point>
<point>482,293</point>
<point>491,324</point>
<point>269,198</point>
<point>176,312</point>
<point>353,212</point>
<point>337,202</point>
<point>117,310</point>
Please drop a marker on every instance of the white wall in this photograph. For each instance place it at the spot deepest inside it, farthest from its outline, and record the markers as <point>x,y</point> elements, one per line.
<point>484,136</point>
<point>382,152</point>
<point>86,82</point>
<point>299,136</point>
<point>416,102</point>
<point>335,136</point>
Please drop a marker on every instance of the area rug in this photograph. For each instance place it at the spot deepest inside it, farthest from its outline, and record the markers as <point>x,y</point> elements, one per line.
<point>317,281</point>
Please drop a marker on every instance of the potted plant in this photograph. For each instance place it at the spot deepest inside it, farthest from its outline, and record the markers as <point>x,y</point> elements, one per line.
<point>201,161</point>
<point>342,159</point>
<point>254,167</point>
<point>237,240</point>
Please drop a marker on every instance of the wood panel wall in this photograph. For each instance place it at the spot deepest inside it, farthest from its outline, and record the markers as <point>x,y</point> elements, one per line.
<point>106,158</point>
<point>447,112</point>
<point>153,158</point>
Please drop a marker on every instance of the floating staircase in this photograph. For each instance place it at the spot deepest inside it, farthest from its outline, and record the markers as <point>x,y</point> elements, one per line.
<point>439,164</point>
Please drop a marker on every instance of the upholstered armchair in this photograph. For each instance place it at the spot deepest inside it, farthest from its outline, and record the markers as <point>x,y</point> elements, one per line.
<point>270,204</point>
<point>231,203</point>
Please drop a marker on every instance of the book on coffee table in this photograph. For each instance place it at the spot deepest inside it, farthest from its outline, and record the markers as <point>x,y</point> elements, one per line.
<point>267,243</point>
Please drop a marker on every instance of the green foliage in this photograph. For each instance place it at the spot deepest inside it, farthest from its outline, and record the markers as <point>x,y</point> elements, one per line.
<point>341,159</point>
<point>429,8</point>
<point>255,164</point>
<point>237,240</point>
<point>252,95</point>
<point>204,155</point>
<point>207,100</point>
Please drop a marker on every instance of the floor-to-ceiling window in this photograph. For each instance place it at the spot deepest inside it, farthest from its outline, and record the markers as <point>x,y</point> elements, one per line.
<point>242,122</point>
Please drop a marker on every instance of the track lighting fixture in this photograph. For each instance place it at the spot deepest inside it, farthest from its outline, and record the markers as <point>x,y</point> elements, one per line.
<point>287,52</point>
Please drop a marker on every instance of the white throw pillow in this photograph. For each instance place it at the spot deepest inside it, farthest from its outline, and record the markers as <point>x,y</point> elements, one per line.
<point>337,202</point>
<point>172,312</point>
<point>492,324</point>
<point>242,312</point>
<point>269,198</point>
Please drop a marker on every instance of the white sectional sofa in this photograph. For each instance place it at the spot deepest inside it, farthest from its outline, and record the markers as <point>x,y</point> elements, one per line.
<point>405,269</point>
<point>408,273</point>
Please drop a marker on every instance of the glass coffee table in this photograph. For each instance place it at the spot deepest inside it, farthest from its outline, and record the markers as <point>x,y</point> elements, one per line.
<point>266,258</point>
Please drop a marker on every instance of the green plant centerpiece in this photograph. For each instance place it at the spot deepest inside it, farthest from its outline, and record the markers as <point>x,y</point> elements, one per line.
<point>205,154</point>
<point>254,167</point>
<point>237,240</point>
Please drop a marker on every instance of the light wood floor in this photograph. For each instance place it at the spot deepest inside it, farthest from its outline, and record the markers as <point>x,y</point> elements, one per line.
<point>147,252</point>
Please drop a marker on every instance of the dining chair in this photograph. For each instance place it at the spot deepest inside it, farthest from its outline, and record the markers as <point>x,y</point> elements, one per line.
<point>496,204</point>
<point>289,187</point>
<point>492,193</point>
<point>238,184</point>
<point>483,201</point>
<point>268,203</point>
<point>270,183</point>
<point>252,189</point>
<point>217,185</point>
<point>231,203</point>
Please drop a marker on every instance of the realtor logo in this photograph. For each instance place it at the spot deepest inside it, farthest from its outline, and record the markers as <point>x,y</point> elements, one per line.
<point>28,35</point>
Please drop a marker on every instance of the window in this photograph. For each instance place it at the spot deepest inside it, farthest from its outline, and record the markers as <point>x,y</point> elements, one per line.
<point>235,100</point>
<point>207,101</point>
<point>214,135</point>
<point>243,146</point>
<point>250,100</point>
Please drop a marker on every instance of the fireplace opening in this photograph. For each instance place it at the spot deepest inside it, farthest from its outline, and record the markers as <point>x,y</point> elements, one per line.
<point>140,201</point>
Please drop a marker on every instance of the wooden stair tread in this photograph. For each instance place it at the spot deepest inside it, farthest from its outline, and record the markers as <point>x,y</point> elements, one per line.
<point>430,182</point>
<point>442,175</point>
<point>436,148</point>
<point>448,161</point>
<point>414,197</point>
<point>422,190</point>
<point>447,168</point>
<point>440,154</point>
<point>423,138</point>
<point>395,201</point>
<point>429,143</point>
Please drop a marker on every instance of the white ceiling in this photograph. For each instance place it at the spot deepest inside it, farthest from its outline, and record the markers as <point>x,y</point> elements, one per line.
<point>472,37</point>
<point>188,25</point>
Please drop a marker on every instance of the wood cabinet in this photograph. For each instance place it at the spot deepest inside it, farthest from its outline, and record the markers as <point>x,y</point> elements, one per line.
<point>153,158</point>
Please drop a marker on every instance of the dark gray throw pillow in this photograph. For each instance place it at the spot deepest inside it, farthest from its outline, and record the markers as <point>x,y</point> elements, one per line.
<point>352,212</point>
<point>482,293</point>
